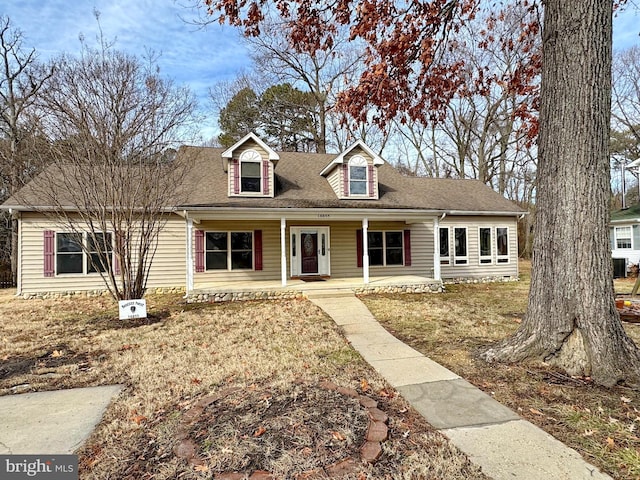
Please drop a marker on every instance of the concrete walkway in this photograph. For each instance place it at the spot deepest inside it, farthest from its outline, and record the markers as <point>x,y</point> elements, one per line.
<point>56,422</point>
<point>493,436</point>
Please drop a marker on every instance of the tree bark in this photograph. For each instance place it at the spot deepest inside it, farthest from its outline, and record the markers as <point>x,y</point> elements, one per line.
<point>571,319</point>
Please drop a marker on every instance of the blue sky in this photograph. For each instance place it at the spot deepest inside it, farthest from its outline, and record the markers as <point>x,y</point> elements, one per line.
<point>189,55</point>
<point>197,57</point>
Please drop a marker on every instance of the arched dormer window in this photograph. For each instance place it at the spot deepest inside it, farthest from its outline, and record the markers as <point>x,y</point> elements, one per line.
<point>358,175</point>
<point>250,172</point>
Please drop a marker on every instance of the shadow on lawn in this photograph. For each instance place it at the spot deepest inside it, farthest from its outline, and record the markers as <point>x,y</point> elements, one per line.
<point>110,321</point>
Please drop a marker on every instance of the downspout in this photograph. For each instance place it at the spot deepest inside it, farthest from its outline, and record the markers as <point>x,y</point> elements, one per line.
<point>517,246</point>
<point>365,250</point>
<point>283,250</point>
<point>189,259</point>
<point>436,249</point>
<point>19,262</point>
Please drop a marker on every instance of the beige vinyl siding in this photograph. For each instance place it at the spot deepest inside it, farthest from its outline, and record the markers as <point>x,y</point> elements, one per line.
<point>343,249</point>
<point>421,249</point>
<point>335,180</point>
<point>250,145</point>
<point>344,255</point>
<point>270,251</point>
<point>168,268</point>
<point>473,268</point>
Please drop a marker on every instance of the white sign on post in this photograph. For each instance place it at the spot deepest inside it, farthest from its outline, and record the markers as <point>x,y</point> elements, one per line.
<point>132,309</point>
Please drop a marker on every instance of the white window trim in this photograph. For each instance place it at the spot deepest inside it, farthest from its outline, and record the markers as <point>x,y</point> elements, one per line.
<point>491,237</point>
<point>464,259</point>
<point>384,248</point>
<point>358,161</point>
<point>624,237</point>
<point>229,263</point>
<point>83,251</point>
<point>506,257</point>
<point>445,260</point>
<point>250,156</point>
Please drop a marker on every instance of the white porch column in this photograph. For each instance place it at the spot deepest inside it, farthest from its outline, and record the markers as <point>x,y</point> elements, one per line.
<point>190,262</point>
<point>365,250</point>
<point>283,248</point>
<point>436,249</point>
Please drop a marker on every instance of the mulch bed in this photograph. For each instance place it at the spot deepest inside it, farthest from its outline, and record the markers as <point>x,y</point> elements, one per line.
<point>311,431</point>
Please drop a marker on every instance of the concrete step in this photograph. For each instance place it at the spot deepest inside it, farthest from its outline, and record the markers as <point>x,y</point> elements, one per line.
<point>328,293</point>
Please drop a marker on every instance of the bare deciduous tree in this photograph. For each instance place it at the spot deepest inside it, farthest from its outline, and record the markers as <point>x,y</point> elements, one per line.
<point>21,80</point>
<point>625,111</point>
<point>112,123</point>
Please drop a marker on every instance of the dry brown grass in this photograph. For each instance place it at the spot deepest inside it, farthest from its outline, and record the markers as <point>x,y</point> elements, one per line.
<point>602,424</point>
<point>184,353</point>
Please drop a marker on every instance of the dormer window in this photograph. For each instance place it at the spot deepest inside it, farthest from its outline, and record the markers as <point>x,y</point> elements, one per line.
<point>354,173</point>
<point>250,165</point>
<point>357,175</point>
<point>250,172</point>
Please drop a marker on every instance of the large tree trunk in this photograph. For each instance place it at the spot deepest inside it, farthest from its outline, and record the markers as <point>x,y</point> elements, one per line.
<point>571,319</point>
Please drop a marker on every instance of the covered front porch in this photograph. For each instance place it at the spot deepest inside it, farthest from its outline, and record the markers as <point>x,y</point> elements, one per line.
<point>298,288</point>
<point>295,251</point>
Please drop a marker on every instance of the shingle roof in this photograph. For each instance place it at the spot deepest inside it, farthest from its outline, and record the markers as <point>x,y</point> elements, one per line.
<point>300,185</point>
<point>627,214</point>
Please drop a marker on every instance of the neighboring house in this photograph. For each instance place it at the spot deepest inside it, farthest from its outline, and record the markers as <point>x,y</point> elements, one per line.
<point>256,215</point>
<point>624,233</point>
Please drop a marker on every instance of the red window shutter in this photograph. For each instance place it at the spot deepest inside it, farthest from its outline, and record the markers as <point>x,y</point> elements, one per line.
<point>257,245</point>
<point>49,253</point>
<point>265,177</point>
<point>359,247</point>
<point>199,251</point>
<point>407,248</point>
<point>345,179</point>
<point>236,176</point>
<point>371,184</point>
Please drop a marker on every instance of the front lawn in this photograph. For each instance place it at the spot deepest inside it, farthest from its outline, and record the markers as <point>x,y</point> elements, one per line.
<point>602,424</point>
<point>257,366</point>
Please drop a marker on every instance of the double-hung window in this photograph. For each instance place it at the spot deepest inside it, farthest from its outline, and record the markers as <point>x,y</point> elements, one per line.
<point>460,252</point>
<point>229,250</point>
<point>71,257</point>
<point>250,172</point>
<point>385,248</point>
<point>484,234</point>
<point>502,245</point>
<point>99,249</point>
<point>445,252</point>
<point>623,237</point>
<point>357,176</point>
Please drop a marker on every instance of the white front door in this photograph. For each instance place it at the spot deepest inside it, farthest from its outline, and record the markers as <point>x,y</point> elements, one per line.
<point>309,251</point>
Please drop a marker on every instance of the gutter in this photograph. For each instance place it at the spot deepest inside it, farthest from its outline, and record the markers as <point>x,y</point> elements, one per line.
<point>49,208</point>
<point>350,211</point>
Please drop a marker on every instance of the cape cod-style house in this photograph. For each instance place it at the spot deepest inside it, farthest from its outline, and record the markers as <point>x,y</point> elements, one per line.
<point>275,219</point>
